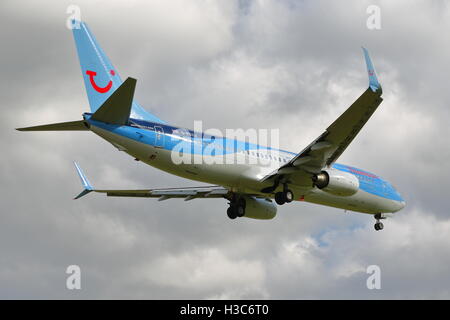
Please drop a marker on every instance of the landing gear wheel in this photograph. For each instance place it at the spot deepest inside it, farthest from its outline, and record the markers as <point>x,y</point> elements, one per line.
<point>240,210</point>
<point>231,213</point>
<point>288,196</point>
<point>240,207</point>
<point>379,226</point>
<point>236,208</point>
<point>279,198</point>
<point>284,197</point>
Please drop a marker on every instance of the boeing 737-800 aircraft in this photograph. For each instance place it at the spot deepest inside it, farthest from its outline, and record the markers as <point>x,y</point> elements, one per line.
<point>249,185</point>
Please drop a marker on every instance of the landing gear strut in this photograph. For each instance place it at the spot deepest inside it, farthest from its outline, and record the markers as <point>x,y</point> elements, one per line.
<point>236,208</point>
<point>379,225</point>
<point>284,197</point>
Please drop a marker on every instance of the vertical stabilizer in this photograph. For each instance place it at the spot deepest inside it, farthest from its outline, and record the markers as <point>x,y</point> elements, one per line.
<point>100,77</point>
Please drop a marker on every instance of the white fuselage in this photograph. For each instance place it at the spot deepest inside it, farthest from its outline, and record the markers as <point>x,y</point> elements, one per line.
<point>242,176</point>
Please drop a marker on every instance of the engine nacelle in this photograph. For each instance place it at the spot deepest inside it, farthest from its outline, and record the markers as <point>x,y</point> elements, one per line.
<point>337,182</point>
<point>257,208</point>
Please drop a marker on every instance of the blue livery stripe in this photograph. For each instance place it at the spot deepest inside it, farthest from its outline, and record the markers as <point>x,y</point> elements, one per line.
<point>143,131</point>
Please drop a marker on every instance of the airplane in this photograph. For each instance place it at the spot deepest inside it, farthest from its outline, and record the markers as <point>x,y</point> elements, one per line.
<point>250,187</point>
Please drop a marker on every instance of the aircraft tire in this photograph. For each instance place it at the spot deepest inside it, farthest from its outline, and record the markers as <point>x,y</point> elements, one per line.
<point>231,213</point>
<point>279,198</point>
<point>379,226</point>
<point>288,196</point>
<point>240,210</point>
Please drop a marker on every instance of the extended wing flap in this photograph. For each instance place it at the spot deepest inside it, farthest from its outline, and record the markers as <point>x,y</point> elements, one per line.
<point>342,131</point>
<point>188,193</point>
<point>331,144</point>
<point>327,148</point>
<point>163,194</point>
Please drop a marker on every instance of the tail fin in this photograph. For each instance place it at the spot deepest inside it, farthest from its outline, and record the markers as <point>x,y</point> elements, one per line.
<point>100,77</point>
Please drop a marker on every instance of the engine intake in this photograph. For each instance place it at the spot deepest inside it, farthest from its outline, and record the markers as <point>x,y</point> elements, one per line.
<point>336,182</point>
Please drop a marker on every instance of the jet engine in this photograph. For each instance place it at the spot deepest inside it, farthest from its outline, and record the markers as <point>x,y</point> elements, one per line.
<point>257,208</point>
<point>336,182</point>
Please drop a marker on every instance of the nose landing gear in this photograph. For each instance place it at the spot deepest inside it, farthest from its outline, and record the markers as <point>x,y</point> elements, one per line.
<point>379,225</point>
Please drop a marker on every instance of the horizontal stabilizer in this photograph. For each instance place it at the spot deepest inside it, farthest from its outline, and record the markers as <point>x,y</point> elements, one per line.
<point>62,126</point>
<point>116,109</point>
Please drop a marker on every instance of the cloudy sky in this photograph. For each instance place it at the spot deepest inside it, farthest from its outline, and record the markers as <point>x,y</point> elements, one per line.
<point>292,65</point>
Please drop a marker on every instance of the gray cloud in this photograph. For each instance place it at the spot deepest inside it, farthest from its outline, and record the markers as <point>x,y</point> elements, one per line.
<point>267,64</point>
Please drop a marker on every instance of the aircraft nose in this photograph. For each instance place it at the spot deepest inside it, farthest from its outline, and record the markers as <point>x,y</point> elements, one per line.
<point>400,205</point>
<point>400,202</point>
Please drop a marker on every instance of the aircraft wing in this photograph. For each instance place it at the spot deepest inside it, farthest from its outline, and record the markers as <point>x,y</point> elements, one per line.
<point>188,193</point>
<point>327,148</point>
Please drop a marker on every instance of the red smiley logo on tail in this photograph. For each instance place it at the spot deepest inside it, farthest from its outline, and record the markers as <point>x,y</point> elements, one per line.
<point>92,74</point>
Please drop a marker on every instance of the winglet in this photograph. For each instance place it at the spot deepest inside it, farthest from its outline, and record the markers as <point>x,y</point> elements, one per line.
<point>84,181</point>
<point>373,81</point>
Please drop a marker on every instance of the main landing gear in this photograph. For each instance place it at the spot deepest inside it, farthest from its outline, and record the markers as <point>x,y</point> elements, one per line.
<point>285,196</point>
<point>236,208</point>
<point>379,225</point>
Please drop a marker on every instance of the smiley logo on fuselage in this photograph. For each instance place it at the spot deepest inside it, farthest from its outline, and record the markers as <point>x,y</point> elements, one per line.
<point>92,74</point>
